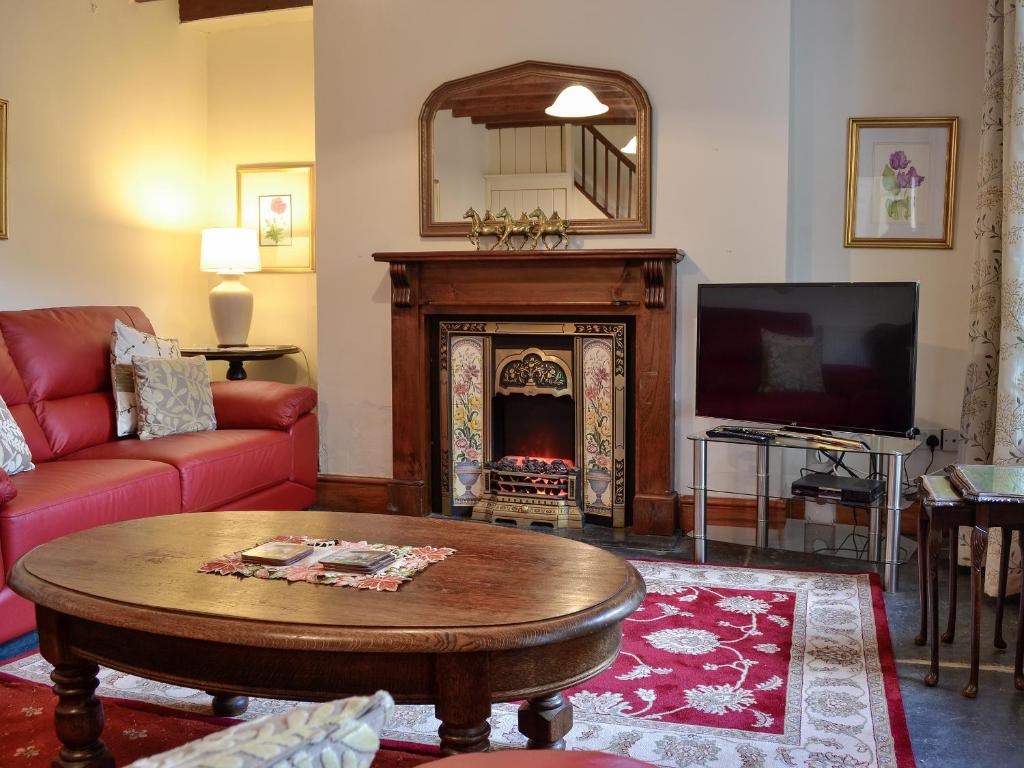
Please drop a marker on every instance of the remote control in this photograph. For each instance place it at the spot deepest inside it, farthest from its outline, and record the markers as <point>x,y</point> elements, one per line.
<point>743,433</point>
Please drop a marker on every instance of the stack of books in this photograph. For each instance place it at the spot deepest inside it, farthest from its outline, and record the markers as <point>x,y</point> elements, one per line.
<point>357,561</point>
<point>276,553</point>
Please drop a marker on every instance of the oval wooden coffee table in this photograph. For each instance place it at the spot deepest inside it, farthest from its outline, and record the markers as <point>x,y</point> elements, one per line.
<point>513,615</point>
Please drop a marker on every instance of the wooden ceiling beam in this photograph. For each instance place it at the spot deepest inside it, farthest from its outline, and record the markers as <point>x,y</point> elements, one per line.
<point>530,119</point>
<point>194,10</point>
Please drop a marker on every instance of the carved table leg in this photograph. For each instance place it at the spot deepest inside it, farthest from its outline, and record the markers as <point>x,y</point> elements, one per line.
<point>79,717</point>
<point>228,704</point>
<point>932,556</point>
<point>545,721</point>
<point>1018,662</point>
<point>979,548</point>
<point>954,546</point>
<point>1004,567</point>
<point>463,703</point>
<point>922,574</point>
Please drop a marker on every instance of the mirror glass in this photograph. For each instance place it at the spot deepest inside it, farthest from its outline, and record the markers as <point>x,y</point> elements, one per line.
<point>493,145</point>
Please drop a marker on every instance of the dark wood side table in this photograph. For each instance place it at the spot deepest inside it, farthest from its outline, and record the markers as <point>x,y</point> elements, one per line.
<point>236,357</point>
<point>997,493</point>
<point>943,510</point>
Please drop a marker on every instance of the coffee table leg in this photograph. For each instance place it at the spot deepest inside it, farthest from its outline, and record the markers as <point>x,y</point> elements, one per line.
<point>79,717</point>
<point>463,702</point>
<point>228,704</point>
<point>545,721</point>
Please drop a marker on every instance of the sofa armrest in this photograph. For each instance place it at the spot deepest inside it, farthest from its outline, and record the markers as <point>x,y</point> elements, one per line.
<point>260,404</point>
<point>7,488</point>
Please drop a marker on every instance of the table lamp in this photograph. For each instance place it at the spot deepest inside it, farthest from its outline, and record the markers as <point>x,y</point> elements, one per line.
<point>230,252</point>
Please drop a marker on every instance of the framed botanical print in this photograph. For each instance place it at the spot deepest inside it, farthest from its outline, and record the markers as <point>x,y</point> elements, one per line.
<point>900,182</point>
<point>3,169</point>
<point>277,200</point>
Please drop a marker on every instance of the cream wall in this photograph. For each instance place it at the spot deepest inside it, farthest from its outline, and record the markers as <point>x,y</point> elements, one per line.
<point>877,57</point>
<point>107,151</point>
<point>718,77</point>
<point>260,110</point>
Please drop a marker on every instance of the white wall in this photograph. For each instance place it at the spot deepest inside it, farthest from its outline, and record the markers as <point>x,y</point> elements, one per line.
<point>878,57</point>
<point>717,73</point>
<point>260,110</point>
<point>106,156</point>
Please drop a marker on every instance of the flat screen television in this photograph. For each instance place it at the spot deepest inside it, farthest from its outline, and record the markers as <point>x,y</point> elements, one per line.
<point>830,356</point>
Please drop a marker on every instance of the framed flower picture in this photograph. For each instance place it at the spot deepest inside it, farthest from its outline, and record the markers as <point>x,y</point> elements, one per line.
<point>277,200</point>
<point>900,182</point>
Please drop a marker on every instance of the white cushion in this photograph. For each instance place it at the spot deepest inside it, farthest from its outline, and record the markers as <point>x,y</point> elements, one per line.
<point>125,343</point>
<point>14,453</point>
<point>343,733</point>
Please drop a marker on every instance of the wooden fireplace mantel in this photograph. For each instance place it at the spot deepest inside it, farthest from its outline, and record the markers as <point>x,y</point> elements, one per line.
<point>636,283</point>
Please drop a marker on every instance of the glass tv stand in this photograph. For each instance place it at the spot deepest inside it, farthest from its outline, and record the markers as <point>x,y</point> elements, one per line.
<point>886,457</point>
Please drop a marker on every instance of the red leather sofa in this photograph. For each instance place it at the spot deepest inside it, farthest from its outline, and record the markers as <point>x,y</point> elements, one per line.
<point>55,378</point>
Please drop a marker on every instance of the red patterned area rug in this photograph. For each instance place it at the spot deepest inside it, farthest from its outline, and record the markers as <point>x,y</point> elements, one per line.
<point>721,666</point>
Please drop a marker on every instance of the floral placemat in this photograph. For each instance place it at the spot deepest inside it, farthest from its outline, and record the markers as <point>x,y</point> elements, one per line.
<point>408,562</point>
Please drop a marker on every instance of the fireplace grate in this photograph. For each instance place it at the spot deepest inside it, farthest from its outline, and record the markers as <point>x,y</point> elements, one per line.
<point>532,478</point>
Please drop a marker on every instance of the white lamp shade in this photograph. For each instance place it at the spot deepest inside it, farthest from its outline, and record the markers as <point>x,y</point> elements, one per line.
<point>576,101</point>
<point>630,148</point>
<point>229,251</point>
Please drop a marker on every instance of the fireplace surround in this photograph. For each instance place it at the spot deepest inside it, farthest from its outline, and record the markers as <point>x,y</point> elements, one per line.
<point>533,313</point>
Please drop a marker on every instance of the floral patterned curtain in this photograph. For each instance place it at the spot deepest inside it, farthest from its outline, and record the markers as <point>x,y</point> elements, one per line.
<point>992,421</point>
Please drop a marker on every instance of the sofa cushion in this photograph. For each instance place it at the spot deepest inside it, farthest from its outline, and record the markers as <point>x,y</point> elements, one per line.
<point>14,453</point>
<point>62,497</point>
<point>125,343</point>
<point>338,733</point>
<point>65,351</point>
<point>216,467</point>
<point>73,423</point>
<point>173,396</point>
<point>51,356</point>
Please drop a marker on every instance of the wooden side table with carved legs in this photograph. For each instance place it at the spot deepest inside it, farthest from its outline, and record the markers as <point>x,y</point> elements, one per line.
<point>1009,517</point>
<point>943,511</point>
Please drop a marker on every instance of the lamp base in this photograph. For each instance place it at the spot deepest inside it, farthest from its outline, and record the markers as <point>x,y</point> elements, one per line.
<point>231,309</point>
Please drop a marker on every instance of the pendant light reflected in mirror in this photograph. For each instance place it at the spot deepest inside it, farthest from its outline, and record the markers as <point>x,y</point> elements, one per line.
<point>630,148</point>
<point>576,101</point>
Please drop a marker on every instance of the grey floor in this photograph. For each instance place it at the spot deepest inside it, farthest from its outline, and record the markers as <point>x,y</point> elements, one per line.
<point>946,729</point>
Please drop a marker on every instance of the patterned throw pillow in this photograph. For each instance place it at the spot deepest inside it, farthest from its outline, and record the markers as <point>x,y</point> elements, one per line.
<point>125,343</point>
<point>790,363</point>
<point>174,396</point>
<point>14,453</point>
<point>338,733</point>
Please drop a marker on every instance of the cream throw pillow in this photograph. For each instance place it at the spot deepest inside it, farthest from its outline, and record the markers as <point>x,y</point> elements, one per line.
<point>341,733</point>
<point>14,453</point>
<point>174,396</point>
<point>125,343</point>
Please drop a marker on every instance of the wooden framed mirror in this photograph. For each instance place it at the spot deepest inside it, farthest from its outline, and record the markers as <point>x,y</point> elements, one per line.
<point>486,142</point>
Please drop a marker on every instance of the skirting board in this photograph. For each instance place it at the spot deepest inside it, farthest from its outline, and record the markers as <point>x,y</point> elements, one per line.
<point>348,493</point>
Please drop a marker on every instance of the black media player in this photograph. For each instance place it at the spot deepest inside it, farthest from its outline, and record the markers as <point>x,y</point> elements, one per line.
<point>846,490</point>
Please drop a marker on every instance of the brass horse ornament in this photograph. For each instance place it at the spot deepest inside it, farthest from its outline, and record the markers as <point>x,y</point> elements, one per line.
<point>527,230</point>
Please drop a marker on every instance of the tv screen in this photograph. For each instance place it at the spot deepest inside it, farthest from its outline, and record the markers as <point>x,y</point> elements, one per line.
<point>818,355</point>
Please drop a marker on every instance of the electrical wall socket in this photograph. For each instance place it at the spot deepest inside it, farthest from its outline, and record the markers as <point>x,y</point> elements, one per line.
<point>949,440</point>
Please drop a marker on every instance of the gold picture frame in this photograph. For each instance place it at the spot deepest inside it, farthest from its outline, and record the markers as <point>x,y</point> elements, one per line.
<point>895,166</point>
<point>3,169</point>
<point>278,201</point>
